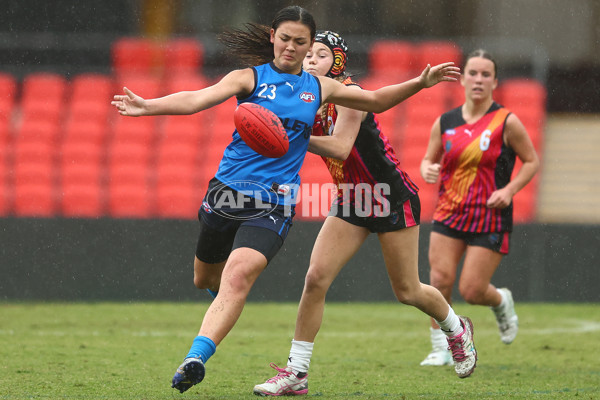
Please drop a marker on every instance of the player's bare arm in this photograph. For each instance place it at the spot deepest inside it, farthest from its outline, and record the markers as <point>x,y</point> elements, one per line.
<point>387,97</point>
<point>430,165</point>
<point>516,137</point>
<point>236,83</point>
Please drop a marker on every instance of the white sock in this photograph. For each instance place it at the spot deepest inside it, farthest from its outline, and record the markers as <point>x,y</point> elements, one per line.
<point>438,339</point>
<point>502,302</point>
<point>300,355</point>
<point>451,326</point>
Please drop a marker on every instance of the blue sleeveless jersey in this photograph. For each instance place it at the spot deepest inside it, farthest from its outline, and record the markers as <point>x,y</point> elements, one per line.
<point>295,99</point>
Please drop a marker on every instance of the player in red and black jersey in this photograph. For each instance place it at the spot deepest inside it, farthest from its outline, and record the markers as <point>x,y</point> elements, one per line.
<point>472,151</point>
<point>374,195</point>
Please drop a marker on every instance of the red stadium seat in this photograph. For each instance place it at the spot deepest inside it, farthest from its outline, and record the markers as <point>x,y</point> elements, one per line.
<point>128,153</point>
<point>8,93</point>
<point>130,201</point>
<point>428,194</point>
<point>135,130</point>
<point>182,129</point>
<point>34,200</point>
<point>82,200</point>
<point>523,92</point>
<point>90,111</point>
<point>79,153</point>
<point>92,87</point>
<point>39,130</point>
<point>422,113</point>
<point>39,85</point>
<point>144,85</point>
<point>177,191</point>
<point>8,87</point>
<point>181,82</point>
<point>134,174</point>
<point>177,153</point>
<point>26,151</point>
<point>177,202</point>
<point>132,55</point>
<point>456,95</point>
<point>183,56</point>
<point>49,109</point>
<point>395,57</point>
<point>416,137</point>
<point>86,131</point>
<point>435,52</point>
<point>82,174</point>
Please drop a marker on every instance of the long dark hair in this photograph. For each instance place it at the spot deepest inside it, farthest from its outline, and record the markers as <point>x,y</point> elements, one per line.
<point>481,53</point>
<point>252,44</point>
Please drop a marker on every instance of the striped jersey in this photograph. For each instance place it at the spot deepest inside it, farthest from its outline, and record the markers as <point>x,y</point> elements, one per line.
<point>295,99</point>
<point>371,162</point>
<point>476,162</point>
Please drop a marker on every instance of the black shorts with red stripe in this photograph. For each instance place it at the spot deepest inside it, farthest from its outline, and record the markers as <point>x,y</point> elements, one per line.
<point>403,215</point>
<point>495,241</point>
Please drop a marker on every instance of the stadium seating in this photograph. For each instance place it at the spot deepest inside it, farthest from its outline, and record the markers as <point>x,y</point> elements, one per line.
<point>177,192</point>
<point>392,58</point>
<point>183,56</point>
<point>136,55</point>
<point>434,52</point>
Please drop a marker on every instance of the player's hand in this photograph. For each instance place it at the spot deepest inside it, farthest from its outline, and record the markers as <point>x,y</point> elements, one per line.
<point>431,173</point>
<point>500,199</point>
<point>129,104</point>
<point>445,72</point>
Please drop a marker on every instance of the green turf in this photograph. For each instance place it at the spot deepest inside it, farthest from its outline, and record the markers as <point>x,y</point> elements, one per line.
<point>364,351</point>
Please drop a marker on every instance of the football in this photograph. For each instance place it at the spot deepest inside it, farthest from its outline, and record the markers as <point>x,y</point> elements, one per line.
<point>261,129</point>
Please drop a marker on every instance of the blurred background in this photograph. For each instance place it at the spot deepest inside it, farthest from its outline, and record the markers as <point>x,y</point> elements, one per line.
<point>82,187</point>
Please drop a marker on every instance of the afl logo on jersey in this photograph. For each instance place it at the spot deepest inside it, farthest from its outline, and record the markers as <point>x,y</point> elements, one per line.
<point>307,97</point>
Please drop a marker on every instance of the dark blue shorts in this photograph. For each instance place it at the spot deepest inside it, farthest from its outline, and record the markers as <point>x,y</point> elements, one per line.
<point>246,223</point>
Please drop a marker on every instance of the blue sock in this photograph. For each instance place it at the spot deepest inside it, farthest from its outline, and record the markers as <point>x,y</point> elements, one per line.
<point>202,348</point>
<point>212,293</point>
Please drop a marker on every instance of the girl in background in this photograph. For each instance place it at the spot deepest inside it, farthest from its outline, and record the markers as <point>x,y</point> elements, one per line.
<point>472,149</point>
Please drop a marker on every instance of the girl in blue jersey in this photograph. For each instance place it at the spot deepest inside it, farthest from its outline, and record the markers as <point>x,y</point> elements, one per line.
<point>238,235</point>
<point>357,154</point>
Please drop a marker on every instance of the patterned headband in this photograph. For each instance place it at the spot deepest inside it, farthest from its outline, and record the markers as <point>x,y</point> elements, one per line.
<point>338,47</point>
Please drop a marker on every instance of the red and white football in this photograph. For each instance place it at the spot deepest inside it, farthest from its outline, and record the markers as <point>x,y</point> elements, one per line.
<point>261,129</point>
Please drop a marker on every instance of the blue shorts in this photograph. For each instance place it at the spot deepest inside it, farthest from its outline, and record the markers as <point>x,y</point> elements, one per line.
<point>237,220</point>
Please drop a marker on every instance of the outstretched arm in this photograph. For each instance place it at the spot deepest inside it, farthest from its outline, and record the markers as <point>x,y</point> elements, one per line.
<point>236,83</point>
<point>388,96</point>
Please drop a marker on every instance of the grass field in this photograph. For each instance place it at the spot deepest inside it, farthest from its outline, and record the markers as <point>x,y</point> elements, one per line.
<point>364,351</point>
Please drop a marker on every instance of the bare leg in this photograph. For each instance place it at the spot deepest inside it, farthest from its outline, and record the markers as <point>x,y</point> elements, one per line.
<point>243,266</point>
<point>207,276</point>
<point>337,242</point>
<point>444,255</point>
<point>400,251</point>
<point>474,284</point>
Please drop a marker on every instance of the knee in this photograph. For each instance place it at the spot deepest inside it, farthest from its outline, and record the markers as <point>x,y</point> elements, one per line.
<point>472,294</point>
<point>316,281</point>
<point>200,282</point>
<point>406,294</point>
<point>441,279</point>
